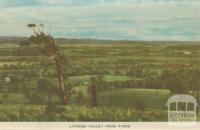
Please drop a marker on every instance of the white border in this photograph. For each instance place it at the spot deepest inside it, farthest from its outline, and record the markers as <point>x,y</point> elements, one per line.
<point>94,126</point>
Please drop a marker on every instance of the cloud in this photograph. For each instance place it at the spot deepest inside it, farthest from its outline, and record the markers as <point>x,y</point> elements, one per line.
<point>106,19</point>
<point>18,3</point>
<point>22,3</point>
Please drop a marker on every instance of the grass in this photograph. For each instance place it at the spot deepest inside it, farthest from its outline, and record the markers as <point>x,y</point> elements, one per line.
<point>117,78</point>
<point>12,98</point>
<point>76,113</point>
<point>85,80</point>
<point>106,77</point>
<point>130,97</point>
<point>16,63</point>
<point>110,57</point>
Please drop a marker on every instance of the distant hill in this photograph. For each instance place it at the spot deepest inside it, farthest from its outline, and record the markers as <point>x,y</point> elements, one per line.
<point>17,40</point>
<point>11,39</point>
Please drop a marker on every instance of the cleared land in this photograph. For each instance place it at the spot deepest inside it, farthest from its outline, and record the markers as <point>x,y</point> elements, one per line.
<point>128,71</point>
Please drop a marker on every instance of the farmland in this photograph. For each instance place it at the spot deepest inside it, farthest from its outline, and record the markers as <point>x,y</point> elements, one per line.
<point>133,78</point>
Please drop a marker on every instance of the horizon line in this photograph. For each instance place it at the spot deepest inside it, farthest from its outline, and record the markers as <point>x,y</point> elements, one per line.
<point>98,39</point>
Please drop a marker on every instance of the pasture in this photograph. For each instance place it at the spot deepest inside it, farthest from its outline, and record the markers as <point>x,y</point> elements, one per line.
<point>131,75</point>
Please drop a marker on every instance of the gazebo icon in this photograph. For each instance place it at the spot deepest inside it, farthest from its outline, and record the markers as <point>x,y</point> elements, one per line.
<point>182,108</point>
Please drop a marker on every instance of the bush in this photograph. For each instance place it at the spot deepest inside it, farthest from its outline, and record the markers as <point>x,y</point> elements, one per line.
<point>76,113</point>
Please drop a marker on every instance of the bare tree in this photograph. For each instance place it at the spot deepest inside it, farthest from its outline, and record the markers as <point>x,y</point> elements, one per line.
<point>94,92</point>
<point>111,96</point>
<point>46,44</point>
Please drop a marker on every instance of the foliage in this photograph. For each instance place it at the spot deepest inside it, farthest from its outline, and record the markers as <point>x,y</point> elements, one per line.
<point>76,113</point>
<point>142,77</point>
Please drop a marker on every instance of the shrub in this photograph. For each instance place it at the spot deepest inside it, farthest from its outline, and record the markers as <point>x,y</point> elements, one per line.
<point>77,113</point>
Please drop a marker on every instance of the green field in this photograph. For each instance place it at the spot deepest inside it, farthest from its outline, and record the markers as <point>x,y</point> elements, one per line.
<point>132,77</point>
<point>130,97</point>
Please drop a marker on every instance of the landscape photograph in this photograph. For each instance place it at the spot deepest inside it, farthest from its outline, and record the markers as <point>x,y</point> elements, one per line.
<point>97,60</point>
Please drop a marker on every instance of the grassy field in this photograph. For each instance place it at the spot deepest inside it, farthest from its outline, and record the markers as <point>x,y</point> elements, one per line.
<point>122,62</point>
<point>148,98</point>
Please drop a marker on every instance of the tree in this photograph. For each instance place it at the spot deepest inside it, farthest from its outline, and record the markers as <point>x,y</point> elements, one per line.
<point>178,81</point>
<point>44,86</point>
<point>45,43</point>
<point>81,97</point>
<point>94,92</point>
<point>195,84</point>
<point>111,95</point>
<point>33,27</point>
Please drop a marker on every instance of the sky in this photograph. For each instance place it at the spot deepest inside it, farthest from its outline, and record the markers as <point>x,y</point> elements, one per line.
<point>104,19</point>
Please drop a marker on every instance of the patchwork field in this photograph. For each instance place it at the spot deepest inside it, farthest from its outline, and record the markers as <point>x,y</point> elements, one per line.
<point>135,76</point>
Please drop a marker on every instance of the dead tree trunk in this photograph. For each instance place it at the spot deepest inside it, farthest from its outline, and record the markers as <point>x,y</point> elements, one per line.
<point>94,93</point>
<point>111,96</point>
<point>63,96</point>
<point>49,96</point>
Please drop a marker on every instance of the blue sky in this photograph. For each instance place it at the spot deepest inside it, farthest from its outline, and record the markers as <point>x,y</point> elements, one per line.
<point>104,19</point>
